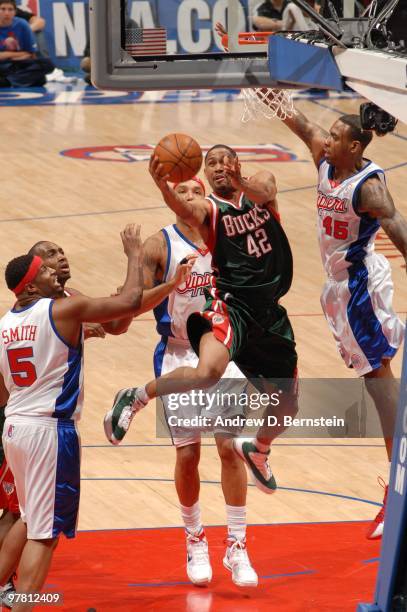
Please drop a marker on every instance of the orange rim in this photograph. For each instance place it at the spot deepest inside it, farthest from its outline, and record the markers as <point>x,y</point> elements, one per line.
<point>249,38</point>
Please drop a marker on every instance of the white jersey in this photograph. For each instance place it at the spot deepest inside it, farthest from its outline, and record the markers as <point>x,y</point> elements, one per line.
<point>43,374</point>
<point>345,237</point>
<point>174,350</point>
<point>172,314</point>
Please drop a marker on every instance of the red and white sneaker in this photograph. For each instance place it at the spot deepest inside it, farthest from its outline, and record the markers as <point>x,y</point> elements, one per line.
<point>375,529</point>
<point>199,568</point>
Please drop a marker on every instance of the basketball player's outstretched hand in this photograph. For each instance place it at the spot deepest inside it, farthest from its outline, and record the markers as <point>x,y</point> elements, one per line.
<point>131,240</point>
<point>156,171</point>
<point>184,269</point>
<point>221,31</point>
<point>93,330</point>
<point>232,170</point>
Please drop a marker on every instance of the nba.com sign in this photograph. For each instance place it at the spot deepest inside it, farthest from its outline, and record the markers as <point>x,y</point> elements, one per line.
<point>190,24</point>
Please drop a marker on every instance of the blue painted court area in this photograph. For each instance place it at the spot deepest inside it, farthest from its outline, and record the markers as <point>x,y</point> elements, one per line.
<point>58,94</point>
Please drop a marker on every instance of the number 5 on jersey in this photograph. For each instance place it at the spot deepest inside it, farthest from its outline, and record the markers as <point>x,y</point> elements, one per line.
<point>22,370</point>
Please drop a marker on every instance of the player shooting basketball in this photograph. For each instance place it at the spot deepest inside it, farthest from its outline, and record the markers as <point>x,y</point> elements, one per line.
<point>242,319</point>
<point>162,252</point>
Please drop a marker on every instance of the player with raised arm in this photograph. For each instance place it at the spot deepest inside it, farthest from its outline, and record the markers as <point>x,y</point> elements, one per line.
<point>54,257</point>
<point>242,319</point>
<point>41,384</point>
<point>353,203</point>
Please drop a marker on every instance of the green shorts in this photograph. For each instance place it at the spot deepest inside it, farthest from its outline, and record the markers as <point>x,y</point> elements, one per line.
<point>259,340</point>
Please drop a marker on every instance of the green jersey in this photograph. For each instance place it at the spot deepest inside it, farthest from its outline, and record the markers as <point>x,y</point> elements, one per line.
<point>251,255</point>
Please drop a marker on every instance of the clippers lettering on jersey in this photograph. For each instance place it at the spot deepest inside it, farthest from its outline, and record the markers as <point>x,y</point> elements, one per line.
<point>195,284</point>
<point>325,202</point>
<point>246,222</point>
<point>20,333</point>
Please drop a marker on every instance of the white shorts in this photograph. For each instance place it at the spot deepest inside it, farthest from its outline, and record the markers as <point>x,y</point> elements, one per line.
<point>361,317</point>
<point>44,456</point>
<point>172,353</point>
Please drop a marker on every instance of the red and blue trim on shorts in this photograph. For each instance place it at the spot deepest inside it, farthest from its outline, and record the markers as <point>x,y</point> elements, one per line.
<point>215,318</point>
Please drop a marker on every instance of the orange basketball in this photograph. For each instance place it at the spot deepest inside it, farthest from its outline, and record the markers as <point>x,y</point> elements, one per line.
<point>180,156</point>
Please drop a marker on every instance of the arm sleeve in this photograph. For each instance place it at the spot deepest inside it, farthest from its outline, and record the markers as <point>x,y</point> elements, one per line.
<point>28,42</point>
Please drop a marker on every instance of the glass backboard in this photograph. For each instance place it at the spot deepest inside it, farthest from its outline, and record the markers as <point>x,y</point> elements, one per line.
<point>173,44</point>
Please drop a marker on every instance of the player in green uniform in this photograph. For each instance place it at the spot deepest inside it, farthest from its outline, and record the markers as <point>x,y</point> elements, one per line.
<point>242,319</point>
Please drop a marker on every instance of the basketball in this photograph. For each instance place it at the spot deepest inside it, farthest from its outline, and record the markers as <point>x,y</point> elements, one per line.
<point>180,156</point>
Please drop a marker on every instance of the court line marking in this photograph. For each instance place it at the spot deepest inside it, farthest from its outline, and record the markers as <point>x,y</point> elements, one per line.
<point>166,584</point>
<point>127,210</point>
<point>214,445</point>
<point>217,482</point>
<point>223,525</point>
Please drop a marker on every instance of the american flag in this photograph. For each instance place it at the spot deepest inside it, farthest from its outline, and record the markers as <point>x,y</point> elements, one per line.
<point>146,41</point>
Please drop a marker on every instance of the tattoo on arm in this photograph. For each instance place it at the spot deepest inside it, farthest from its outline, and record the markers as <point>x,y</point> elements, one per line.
<point>378,203</point>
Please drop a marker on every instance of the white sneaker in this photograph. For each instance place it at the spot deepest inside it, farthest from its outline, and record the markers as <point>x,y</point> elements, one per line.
<point>7,595</point>
<point>199,569</point>
<point>57,75</point>
<point>237,561</point>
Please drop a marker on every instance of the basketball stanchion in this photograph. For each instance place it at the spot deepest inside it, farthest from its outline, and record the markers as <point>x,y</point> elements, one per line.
<point>391,582</point>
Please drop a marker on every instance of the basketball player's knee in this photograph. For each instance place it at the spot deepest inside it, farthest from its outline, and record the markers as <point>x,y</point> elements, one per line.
<point>379,388</point>
<point>188,458</point>
<point>226,451</point>
<point>288,406</point>
<point>209,374</point>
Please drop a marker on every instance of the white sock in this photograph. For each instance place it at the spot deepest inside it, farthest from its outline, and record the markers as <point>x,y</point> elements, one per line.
<point>236,520</point>
<point>142,394</point>
<point>263,448</point>
<point>191,515</point>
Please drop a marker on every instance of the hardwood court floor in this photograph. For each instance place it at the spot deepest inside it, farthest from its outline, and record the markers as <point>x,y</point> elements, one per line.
<point>83,203</point>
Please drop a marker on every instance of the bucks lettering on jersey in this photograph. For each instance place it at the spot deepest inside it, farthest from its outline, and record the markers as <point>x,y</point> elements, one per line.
<point>249,248</point>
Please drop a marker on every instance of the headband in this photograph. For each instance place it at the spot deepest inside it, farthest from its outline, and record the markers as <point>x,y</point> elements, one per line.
<point>29,276</point>
<point>196,179</point>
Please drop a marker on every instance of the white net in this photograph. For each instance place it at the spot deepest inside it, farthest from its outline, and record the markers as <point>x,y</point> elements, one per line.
<point>269,103</point>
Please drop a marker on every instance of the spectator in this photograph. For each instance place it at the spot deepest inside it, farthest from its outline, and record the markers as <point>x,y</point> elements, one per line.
<point>85,64</point>
<point>37,25</point>
<point>268,15</point>
<point>296,19</point>
<point>275,15</point>
<point>19,64</point>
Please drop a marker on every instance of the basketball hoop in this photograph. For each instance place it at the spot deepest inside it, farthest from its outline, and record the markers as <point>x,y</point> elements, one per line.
<point>262,101</point>
<point>268,103</point>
